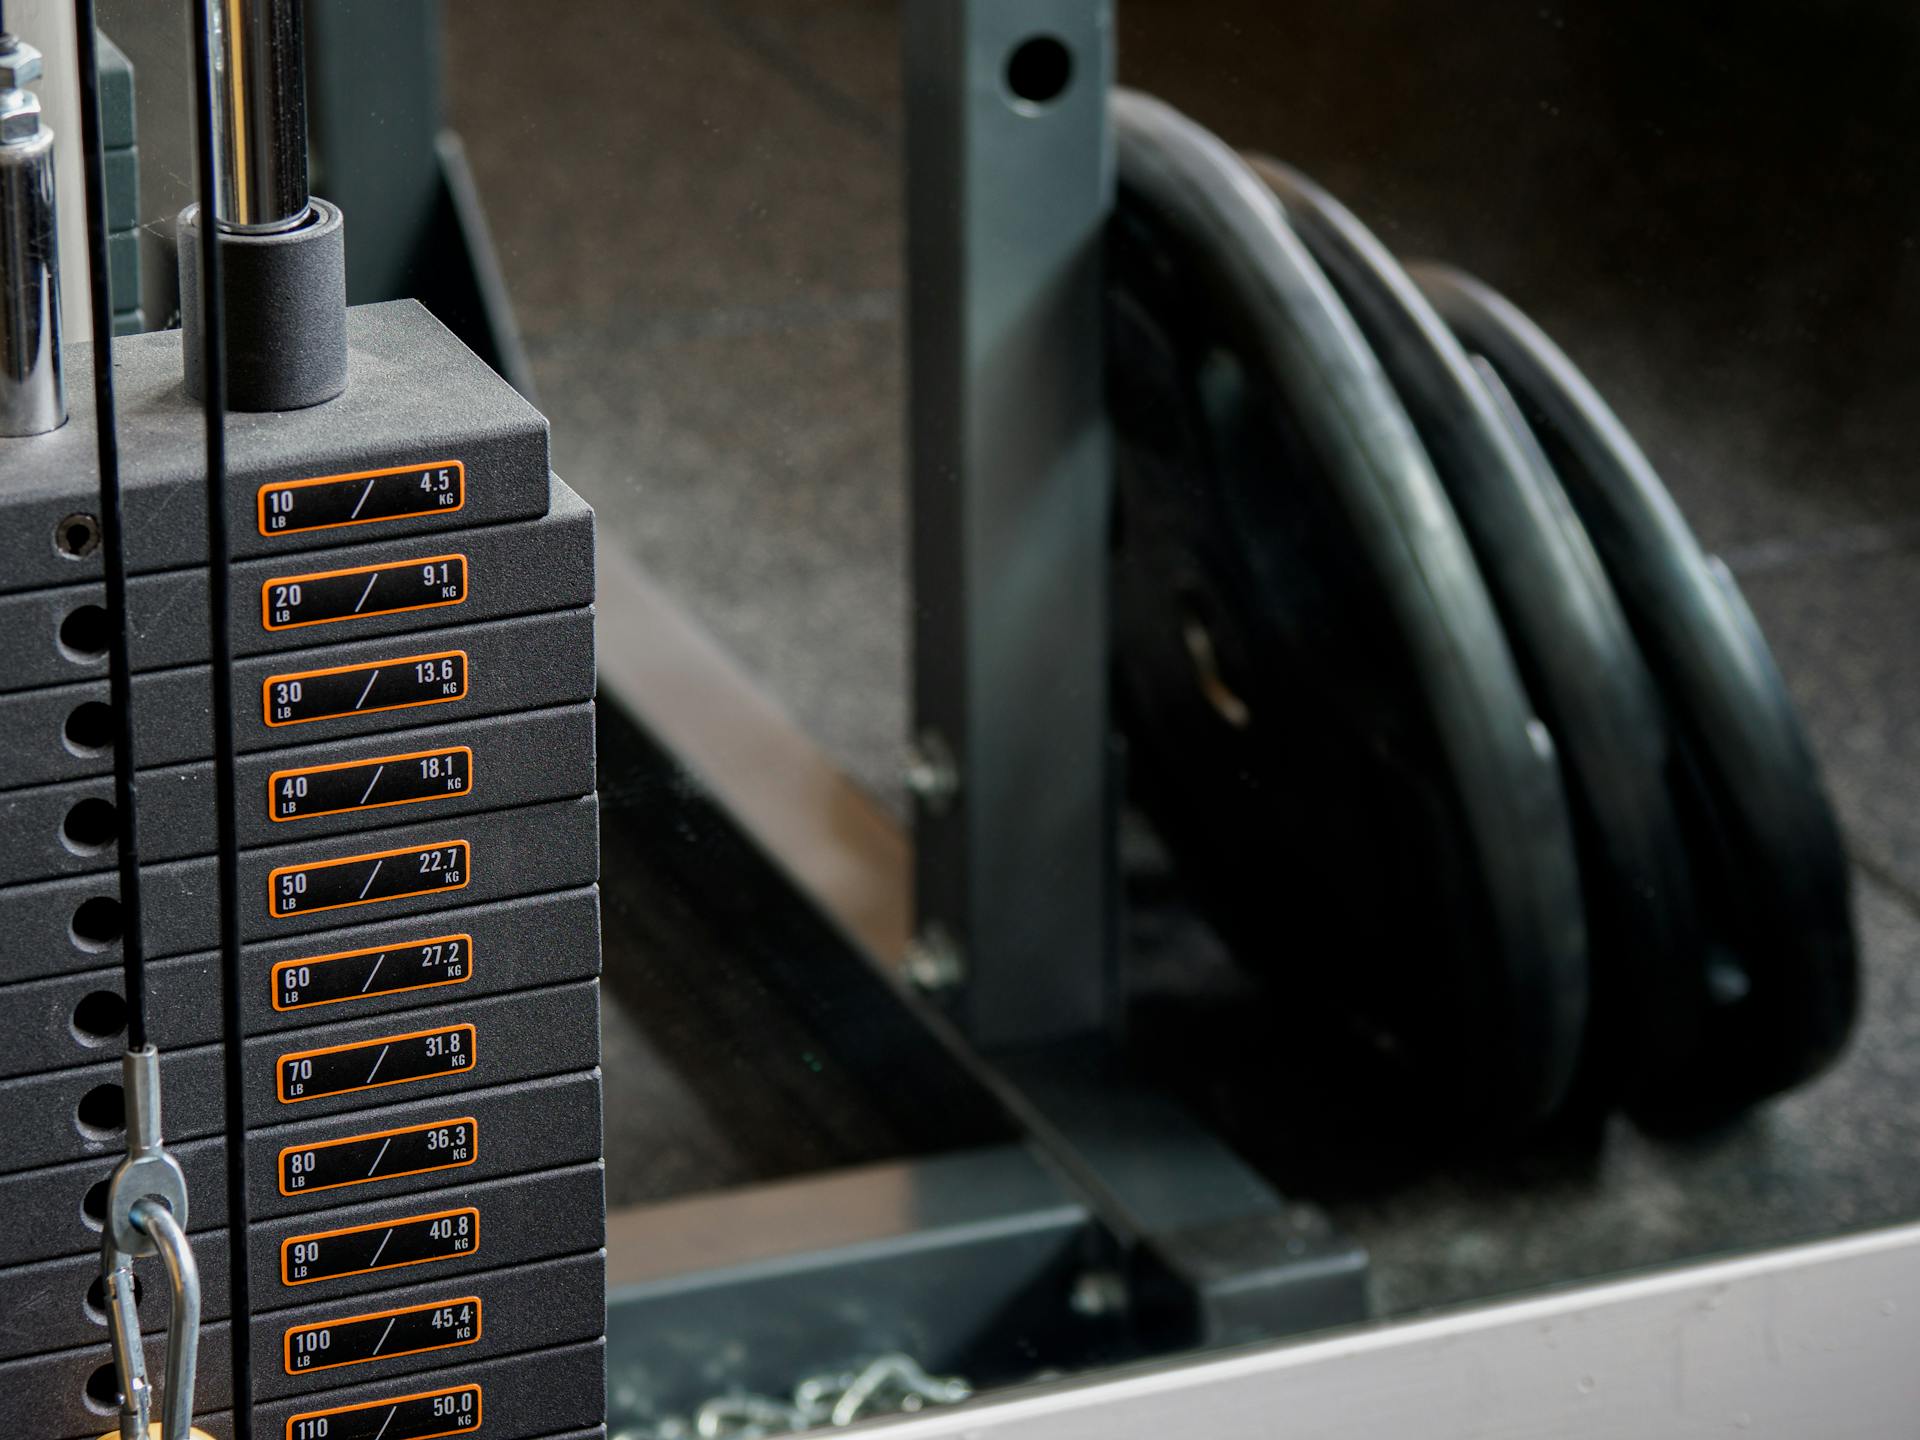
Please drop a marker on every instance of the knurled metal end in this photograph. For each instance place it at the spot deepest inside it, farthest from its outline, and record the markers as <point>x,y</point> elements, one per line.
<point>19,116</point>
<point>20,63</point>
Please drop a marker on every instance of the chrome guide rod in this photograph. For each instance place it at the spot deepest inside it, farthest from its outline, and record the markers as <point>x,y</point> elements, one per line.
<point>260,114</point>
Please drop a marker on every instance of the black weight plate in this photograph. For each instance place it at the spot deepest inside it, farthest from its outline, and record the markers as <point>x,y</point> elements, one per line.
<point>1781,972</point>
<point>1575,652</point>
<point>1322,716</point>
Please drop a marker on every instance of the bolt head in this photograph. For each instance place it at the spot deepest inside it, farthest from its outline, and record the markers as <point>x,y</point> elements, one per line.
<point>933,962</point>
<point>20,66</point>
<point>932,777</point>
<point>19,116</point>
<point>1096,1293</point>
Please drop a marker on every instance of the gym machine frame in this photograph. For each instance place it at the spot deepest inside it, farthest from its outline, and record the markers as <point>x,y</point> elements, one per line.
<point>995,1005</point>
<point>1001,1014</point>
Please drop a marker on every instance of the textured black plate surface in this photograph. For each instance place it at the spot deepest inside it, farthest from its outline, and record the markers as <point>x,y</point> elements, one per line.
<point>1322,715</point>
<point>1576,653</point>
<point>1780,970</point>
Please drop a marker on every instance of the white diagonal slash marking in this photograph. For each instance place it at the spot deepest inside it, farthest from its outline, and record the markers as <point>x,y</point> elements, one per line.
<point>378,1158</point>
<point>377,1254</point>
<point>373,972</point>
<point>363,500</point>
<point>369,690</point>
<point>383,1337</point>
<point>383,1429</point>
<point>366,592</point>
<point>378,772</point>
<point>369,885</point>
<point>378,1062</point>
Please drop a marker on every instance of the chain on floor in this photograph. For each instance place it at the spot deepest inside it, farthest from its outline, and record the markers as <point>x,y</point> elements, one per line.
<point>893,1384</point>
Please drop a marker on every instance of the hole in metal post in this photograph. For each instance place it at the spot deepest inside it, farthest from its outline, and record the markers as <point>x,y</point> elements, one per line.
<point>1039,71</point>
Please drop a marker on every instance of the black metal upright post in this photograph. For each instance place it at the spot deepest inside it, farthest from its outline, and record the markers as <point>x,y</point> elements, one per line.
<point>1009,186</point>
<point>384,153</point>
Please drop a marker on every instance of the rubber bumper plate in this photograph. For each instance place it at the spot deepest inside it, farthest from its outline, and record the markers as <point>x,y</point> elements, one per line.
<point>1322,717</point>
<point>1779,972</point>
<point>1575,650</point>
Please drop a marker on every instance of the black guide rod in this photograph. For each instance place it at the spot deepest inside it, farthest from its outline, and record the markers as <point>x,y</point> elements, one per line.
<point>133,957</point>
<point>208,122</point>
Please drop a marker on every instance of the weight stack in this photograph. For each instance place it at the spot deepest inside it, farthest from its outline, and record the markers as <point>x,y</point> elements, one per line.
<point>417,857</point>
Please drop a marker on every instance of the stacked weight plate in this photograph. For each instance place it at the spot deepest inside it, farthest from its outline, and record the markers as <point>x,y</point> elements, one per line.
<point>1460,740</point>
<point>412,621</point>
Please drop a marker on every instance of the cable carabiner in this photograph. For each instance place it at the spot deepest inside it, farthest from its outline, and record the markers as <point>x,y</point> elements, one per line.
<point>147,1215</point>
